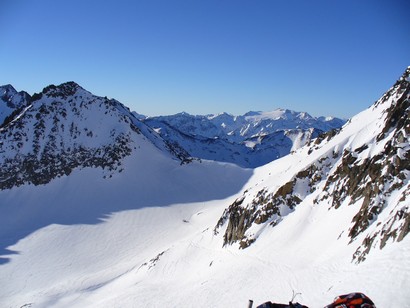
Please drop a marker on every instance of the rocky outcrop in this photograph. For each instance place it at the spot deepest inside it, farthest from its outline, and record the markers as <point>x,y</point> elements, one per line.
<point>267,206</point>
<point>374,179</point>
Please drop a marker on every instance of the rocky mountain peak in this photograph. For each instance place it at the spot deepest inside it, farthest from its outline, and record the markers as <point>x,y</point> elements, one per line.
<point>12,98</point>
<point>66,127</point>
<point>63,90</point>
<point>6,89</point>
<point>406,75</point>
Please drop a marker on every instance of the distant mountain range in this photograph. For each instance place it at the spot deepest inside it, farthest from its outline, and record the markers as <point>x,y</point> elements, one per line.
<point>251,140</point>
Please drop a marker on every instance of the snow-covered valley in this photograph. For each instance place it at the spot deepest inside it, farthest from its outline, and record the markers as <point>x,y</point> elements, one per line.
<point>151,228</point>
<point>167,255</point>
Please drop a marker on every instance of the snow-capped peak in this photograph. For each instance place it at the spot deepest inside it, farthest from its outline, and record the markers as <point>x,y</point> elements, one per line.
<point>11,100</point>
<point>67,127</point>
<point>228,138</point>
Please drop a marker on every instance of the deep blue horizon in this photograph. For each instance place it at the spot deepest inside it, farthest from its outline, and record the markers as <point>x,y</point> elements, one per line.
<point>202,57</point>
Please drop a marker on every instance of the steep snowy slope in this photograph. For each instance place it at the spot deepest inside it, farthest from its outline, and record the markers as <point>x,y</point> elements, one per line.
<point>364,167</point>
<point>251,140</point>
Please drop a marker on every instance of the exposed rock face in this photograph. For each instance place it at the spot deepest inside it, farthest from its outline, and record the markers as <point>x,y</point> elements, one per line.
<point>372,175</point>
<point>373,179</point>
<point>66,127</point>
<point>268,206</point>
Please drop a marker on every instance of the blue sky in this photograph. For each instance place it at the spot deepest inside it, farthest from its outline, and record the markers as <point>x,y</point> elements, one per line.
<point>164,57</point>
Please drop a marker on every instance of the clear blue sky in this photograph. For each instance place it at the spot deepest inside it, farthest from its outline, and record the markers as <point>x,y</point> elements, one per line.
<point>208,56</point>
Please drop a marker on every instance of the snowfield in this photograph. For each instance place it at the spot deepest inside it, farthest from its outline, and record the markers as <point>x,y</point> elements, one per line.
<point>82,232</point>
<point>168,257</point>
<point>145,239</point>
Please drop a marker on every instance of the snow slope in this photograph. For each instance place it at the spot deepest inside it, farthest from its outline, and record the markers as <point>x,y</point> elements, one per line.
<point>56,239</point>
<point>153,235</point>
<point>168,256</point>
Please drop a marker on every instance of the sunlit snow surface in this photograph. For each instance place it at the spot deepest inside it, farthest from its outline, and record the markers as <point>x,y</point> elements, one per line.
<point>168,256</point>
<point>145,237</point>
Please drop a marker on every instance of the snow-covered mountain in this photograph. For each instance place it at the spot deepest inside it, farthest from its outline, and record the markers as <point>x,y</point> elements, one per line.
<point>251,140</point>
<point>11,100</point>
<point>147,231</point>
<point>66,127</point>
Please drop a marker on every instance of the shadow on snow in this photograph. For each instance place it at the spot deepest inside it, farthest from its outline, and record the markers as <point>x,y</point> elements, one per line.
<point>85,197</point>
